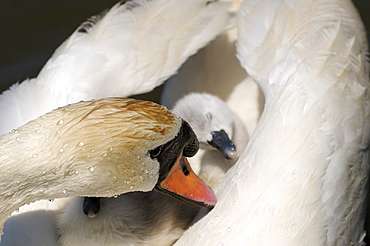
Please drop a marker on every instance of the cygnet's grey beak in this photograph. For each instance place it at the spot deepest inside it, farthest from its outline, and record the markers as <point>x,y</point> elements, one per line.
<point>221,141</point>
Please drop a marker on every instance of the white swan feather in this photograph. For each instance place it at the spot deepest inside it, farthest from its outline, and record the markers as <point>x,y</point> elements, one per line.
<point>128,50</point>
<point>302,177</point>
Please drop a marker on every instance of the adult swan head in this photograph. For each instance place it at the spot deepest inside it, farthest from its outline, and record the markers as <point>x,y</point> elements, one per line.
<point>99,148</point>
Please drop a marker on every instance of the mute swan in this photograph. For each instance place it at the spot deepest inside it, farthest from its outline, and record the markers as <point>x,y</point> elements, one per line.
<point>301,179</point>
<point>108,56</point>
<point>125,220</point>
<point>100,148</point>
<point>209,116</point>
<point>112,55</point>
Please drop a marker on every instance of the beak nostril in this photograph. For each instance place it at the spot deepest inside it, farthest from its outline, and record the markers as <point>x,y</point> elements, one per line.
<point>185,171</point>
<point>184,168</point>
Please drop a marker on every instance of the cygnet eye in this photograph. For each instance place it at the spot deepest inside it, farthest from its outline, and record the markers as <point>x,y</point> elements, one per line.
<point>154,153</point>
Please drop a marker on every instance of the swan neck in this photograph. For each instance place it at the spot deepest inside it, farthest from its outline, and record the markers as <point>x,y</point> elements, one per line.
<point>29,176</point>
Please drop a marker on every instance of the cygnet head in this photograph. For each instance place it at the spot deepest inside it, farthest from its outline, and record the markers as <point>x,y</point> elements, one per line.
<point>211,119</point>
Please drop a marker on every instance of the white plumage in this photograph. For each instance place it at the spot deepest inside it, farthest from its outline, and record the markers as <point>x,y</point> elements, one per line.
<point>153,218</point>
<point>215,69</point>
<point>302,177</point>
<point>207,113</point>
<point>128,50</point>
<point>51,157</point>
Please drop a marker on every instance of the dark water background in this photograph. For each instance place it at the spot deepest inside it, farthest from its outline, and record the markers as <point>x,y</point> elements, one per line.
<point>31,30</point>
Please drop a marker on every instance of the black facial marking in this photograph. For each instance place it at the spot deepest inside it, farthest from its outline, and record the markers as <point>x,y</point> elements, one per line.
<point>192,145</point>
<point>185,143</point>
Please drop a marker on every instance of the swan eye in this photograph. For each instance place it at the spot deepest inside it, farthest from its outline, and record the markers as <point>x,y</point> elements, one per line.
<point>154,153</point>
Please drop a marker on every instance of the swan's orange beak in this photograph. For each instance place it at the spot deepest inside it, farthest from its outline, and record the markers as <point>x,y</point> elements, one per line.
<point>184,183</point>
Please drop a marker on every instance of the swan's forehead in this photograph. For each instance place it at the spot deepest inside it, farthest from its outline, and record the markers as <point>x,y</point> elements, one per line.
<point>126,124</point>
<point>130,121</point>
<point>114,123</point>
<point>119,121</point>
